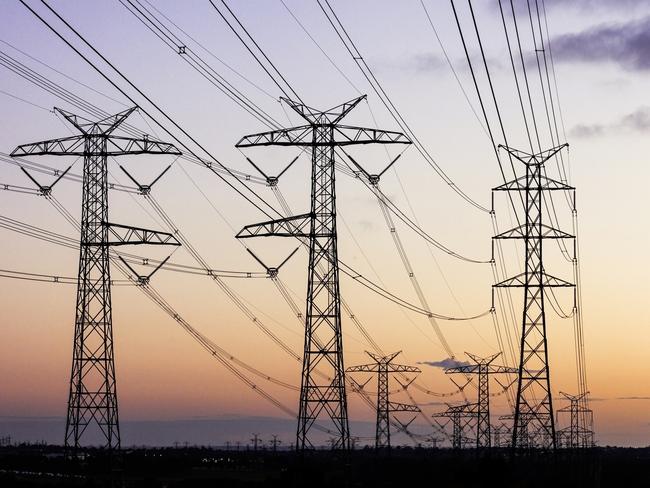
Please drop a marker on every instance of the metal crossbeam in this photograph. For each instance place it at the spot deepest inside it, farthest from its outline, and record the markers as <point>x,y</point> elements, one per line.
<point>127,235</point>
<point>295,226</point>
<point>341,135</point>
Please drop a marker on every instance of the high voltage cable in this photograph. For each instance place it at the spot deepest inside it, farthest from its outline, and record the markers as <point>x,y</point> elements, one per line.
<point>65,40</point>
<point>347,270</point>
<point>169,39</point>
<point>385,99</point>
<point>451,66</point>
<point>51,87</point>
<point>327,56</point>
<point>48,278</point>
<point>400,214</point>
<point>239,36</point>
<point>216,351</point>
<point>65,241</point>
<point>162,112</point>
<point>220,354</point>
<point>277,83</point>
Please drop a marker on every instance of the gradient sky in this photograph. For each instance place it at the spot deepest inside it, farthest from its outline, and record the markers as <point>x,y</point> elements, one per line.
<point>602,55</point>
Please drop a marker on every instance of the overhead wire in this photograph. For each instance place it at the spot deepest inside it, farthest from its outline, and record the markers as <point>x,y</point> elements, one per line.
<point>354,52</point>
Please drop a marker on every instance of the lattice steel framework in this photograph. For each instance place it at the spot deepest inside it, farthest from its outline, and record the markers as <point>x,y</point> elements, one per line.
<point>483,368</point>
<point>534,399</point>
<point>323,341</point>
<point>580,432</point>
<point>384,367</point>
<point>93,393</point>
<point>462,417</point>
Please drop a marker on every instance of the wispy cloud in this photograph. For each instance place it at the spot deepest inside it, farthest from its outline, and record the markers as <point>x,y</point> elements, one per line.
<point>637,121</point>
<point>593,4</point>
<point>445,363</point>
<point>633,398</point>
<point>428,62</point>
<point>624,43</point>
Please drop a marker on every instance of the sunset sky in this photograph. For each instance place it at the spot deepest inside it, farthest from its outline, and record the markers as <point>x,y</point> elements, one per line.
<point>601,50</point>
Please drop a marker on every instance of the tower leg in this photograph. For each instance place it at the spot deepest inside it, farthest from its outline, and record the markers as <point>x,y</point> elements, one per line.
<point>93,395</point>
<point>323,339</point>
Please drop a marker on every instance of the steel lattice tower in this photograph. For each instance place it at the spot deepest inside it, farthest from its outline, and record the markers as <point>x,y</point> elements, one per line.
<point>462,417</point>
<point>483,368</point>
<point>383,366</point>
<point>578,434</point>
<point>93,394</point>
<point>323,341</point>
<point>534,404</point>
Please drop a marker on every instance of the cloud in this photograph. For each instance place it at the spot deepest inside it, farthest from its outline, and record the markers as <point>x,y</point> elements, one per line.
<point>633,398</point>
<point>445,363</point>
<point>428,62</point>
<point>592,4</point>
<point>583,131</point>
<point>424,63</point>
<point>637,121</point>
<point>625,43</point>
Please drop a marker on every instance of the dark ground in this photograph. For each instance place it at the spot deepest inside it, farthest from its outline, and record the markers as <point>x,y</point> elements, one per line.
<point>28,466</point>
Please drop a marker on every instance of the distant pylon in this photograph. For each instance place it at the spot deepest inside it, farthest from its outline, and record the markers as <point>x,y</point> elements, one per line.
<point>383,366</point>
<point>323,339</point>
<point>93,392</point>
<point>580,432</point>
<point>462,417</point>
<point>534,403</point>
<point>483,367</point>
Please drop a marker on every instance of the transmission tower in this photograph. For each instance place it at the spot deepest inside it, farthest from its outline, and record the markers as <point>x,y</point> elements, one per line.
<point>323,340</point>
<point>534,399</point>
<point>256,441</point>
<point>580,433</point>
<point>462,417</point>
<point>93,395</point>
<point>384,366</point>
<point>484,368</point>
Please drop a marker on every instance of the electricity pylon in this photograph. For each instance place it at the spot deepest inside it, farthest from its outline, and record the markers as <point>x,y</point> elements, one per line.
<point>93,393</point>
<point>580,433</point>
<point>383,366</point>
<point>534,399</point>
<point>484,368</point>
<point>462,417</point>
<point>323,340</point>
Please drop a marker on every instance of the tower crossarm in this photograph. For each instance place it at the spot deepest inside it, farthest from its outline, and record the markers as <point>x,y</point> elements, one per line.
<point>522,231</point>
<point>546,184</point>
<point>547,281</point>
<point>402,368</point>
<point>65,146</point>
<point>104,126</point>
<point>363,368</point>
<point>467,369</point>
<point>342,135</point>
<point>294,226</point>
<point>122,235</point>
<point>467,409</point>
<point>119,146</point>
<point>75,146</point>
<point>402,407</point>
<point>502,370</point>
<point>533,159</point>
<point>330,116</point>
